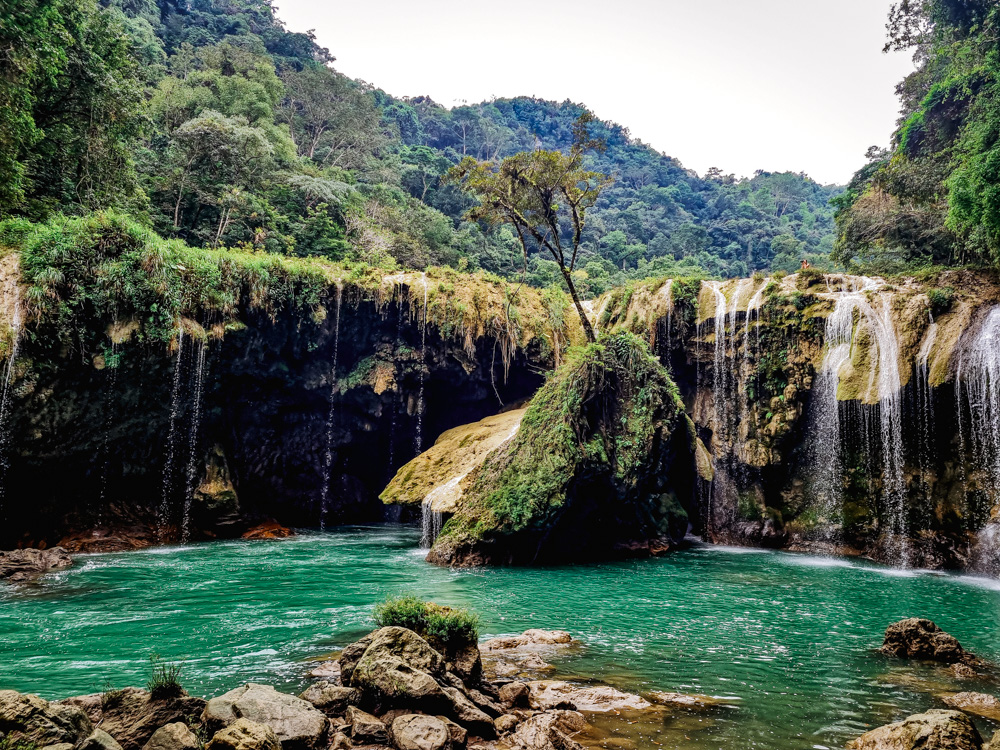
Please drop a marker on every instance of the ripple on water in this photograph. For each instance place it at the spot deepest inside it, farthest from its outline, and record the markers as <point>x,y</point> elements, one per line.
<point>786,638</point>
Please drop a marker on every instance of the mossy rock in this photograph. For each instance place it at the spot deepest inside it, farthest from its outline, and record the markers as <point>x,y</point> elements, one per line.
<point>599,447</point>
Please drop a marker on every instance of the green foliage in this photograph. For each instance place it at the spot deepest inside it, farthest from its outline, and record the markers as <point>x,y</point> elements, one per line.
<point>940,300</point>
<point>443,627</point>
<point>164,679</point>
<point>8,742</point>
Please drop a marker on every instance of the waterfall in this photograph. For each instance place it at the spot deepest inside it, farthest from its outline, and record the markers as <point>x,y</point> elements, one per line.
<point>193,463</point>
<point>418,443</point>
<point>431,524</point>
<point>924,398</point>
<point>977,384</point>
<point>328,453</point>
<point>163,516</point>
<point>17,326</point>
<point>665,346</point>
<point>854,312</point>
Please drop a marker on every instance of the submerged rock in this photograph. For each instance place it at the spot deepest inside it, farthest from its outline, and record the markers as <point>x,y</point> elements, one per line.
<point>20,565</point>
<point>296,723</point>
<point>39,722</point>
<point>915,638</point>
<point>602,465</point>
<point>933,730</point>
<point>546,694</point>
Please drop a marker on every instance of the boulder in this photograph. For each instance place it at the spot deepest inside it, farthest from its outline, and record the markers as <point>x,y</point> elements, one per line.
<point>327,670</point>
<point>467,663</point>
<point>244,734</point>
<point>398,669</point>
<point>459,734</point>
<point>933,730</point>
<point>39,722</point>
<point>514,694</point>
<point>366,728</point>
<point>419,732</point>
<point>132,715</point>
<point>915,638</point>
<point>101,740</point>
<point>296,723</point>
<point>546,694</point>
<point>351,655</point>
<point>20,565</point>
<point>466,713</point>
<point>174,736</point>
<point>331,699</point>
<point>978,704</point>
<point>506,723</point>
<point>552,730</point>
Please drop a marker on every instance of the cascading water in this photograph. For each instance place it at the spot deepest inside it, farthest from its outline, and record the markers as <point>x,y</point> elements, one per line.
<point>169,464</point>
<point>924,409</point>
<point>5,400</point>
<point>431,524</point>
<point>853,313</point>
<point>328,453</point>
<point>977,387</point>
<point>110,393</point>
<point>193,465</point>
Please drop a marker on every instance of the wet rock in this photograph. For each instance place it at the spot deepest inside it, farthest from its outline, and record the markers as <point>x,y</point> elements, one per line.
<point>933,730</point>
<point>267,530</point>
<point>39,722</point>
<point>547,694</point>
<point>514,694</point>
<point>978,704</point>
<point>513,664</point>
<point>690,700</point>
<point>399,668</point>
<point>552,730</point>
<point>296,723</point>
<point>419,732</point>
<point>174,736</point>
<point>328,671</point>
<point>366,728</point>
<point>528,639</point>
<point>244,734</point>
<point>100,740</point>
<point>132,715</point>
<point>915,638</point>
<point>331,699</point>
<point>21,565</point>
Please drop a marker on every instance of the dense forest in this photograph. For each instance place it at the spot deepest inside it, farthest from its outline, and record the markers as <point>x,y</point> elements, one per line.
<point>934,196</point>
<point>211,122</point>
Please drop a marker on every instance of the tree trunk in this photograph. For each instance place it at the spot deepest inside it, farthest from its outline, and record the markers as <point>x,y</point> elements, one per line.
<point>588,329</point>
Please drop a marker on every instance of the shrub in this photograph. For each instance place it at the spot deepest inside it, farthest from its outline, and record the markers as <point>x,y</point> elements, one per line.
<point>940,300</point>
<point>110,697</point>
<point>164,679</point>
<point>443,627</point>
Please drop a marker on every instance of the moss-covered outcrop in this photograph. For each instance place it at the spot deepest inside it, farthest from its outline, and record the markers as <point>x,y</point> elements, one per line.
<point>602,465</point>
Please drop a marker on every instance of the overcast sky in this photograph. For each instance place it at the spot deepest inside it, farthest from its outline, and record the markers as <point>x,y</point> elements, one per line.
<point>798,85</point>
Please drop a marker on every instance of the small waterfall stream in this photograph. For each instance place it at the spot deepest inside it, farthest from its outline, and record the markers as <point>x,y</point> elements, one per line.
<point>194,455</point>
<point>324,501</point>
<point>17,326</point>
<point>110,394</point>
<point>418,443</point>
<point>169,464</point>
<point>924,408</point>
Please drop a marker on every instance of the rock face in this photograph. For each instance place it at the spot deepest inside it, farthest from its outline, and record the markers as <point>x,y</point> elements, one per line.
<point>24,564</point>
<point>297,724</point>
<point>399,667</point>
<point>932,730</point>
<point>602,465</point>
<point>39,722</point>
<point>915,638</point>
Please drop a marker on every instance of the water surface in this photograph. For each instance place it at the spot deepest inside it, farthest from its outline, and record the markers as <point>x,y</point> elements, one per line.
<point>786,638</point>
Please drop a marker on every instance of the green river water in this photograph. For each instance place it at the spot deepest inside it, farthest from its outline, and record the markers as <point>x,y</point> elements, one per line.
<point>787,639</point>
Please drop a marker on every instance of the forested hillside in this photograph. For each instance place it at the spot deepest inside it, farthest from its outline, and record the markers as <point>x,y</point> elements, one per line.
<point>933,197</point>
<point>211,122</point>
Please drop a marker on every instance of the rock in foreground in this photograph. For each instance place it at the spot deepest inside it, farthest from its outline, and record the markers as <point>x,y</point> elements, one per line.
<point>934,730</point>
<point>19,565</point>
<point>978,704</point>
<point>915,638</point>
<point>296,723</point>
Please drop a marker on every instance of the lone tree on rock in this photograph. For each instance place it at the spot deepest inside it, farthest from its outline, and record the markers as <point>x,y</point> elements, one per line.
<point>540,193</point>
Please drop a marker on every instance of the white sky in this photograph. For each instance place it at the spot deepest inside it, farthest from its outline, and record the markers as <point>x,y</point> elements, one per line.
<point>799,85</point>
